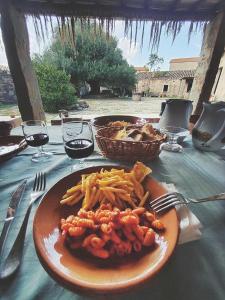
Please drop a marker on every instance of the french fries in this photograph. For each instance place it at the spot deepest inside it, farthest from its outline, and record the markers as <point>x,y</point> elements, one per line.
<point>122,189</point>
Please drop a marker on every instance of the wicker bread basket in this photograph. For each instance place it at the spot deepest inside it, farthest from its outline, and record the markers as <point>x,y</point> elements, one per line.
<point>127,150</point>
<point>103,121</point>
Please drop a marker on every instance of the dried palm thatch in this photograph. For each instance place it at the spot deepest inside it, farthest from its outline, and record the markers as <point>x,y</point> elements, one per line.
<point>155,15</point>
<point>67,27</point>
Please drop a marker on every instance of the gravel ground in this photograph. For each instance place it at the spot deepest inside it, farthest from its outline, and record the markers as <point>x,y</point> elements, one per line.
<point>148,107</point>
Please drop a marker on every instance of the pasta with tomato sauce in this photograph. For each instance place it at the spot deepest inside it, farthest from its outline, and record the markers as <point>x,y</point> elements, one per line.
<point>108,231</point>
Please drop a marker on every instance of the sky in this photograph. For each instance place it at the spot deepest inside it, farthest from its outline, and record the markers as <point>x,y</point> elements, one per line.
<point>135,54</point>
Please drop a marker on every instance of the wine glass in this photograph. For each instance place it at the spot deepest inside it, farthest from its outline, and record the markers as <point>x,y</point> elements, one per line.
<point>78,140</point>
<point>174,135</point>
<point>36,135</point>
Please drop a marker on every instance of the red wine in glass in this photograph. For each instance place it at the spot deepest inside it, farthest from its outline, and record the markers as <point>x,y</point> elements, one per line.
<point>37,140</point>
<point>78,141</point>
<point>79,148</point>
<point>36,135</point>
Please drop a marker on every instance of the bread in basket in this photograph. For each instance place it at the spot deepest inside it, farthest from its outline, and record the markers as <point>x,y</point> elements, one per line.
<point>104,121</point>
<point>128,150</point>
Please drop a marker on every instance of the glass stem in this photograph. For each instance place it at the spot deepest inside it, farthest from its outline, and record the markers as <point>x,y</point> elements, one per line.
<point>72,167</point>
<point>81,163</point>
<point>39,150</point>
<point>172,139</point>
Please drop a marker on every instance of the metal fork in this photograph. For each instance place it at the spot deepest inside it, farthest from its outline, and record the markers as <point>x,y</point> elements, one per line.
<point>13,260</point>
<point>169,200</point>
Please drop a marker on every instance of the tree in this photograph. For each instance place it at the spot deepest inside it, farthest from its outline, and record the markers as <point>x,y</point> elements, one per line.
<point>56,90</point>
<point>95,60</point>
<point>154,61</point>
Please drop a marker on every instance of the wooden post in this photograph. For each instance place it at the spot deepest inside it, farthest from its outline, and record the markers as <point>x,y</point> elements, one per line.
<point>211,53</point>
<point>16,41</point>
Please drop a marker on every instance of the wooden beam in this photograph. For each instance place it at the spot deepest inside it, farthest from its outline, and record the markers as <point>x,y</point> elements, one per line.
<point>16,41</point>
<point>174,5</point>
<point>196,5</point>
<point>148,4</point>
<point>211,53</point>
<point>110,11</point>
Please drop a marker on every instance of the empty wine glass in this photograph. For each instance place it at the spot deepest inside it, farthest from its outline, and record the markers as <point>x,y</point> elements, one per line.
<point>174,135</point>
<point>78,140</point>
<point>36,135</point>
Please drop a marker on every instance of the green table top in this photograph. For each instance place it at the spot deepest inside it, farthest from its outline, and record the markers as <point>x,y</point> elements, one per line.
<point>195,271</point>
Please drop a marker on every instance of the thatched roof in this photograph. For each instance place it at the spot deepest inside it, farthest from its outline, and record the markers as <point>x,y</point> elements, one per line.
<point>194,10</point>
<point>166,75</point>
<point>159,15</point>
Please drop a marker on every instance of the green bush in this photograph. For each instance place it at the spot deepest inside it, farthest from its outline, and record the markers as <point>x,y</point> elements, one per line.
<point>56,90</point>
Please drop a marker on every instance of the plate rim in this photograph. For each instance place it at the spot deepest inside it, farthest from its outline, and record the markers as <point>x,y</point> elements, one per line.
<point>78,285</point>
<point>6,156</point>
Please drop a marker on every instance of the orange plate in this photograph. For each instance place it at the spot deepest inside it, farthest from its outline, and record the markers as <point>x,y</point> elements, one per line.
<point>82,273</point>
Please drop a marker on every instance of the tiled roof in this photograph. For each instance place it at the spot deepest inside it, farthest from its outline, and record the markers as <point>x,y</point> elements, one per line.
<point>179,74</point>
<point>185,59</point>
<point>141,69</point>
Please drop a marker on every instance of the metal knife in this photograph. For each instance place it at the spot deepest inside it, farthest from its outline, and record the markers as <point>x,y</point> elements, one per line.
<point>11,211</point>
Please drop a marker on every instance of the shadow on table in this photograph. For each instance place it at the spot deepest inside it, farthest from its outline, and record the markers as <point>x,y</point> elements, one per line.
<point>187,276</point>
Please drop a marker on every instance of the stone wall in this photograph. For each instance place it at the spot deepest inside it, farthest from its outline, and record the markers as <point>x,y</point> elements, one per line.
<point>7,90</point>
<point>183,65</point>
<point>142,85</point>
<point>156,87</point>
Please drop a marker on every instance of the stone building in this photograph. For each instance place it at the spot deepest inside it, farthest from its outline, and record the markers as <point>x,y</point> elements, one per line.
<point>187,63</point>
<point>165,83</point>
<point>7,90</point>
<point>141,69</point>
<point>218,91</point>
<point>177,82</point>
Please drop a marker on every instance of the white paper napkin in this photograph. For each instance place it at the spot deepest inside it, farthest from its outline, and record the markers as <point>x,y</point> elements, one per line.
<point>190,226</point>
